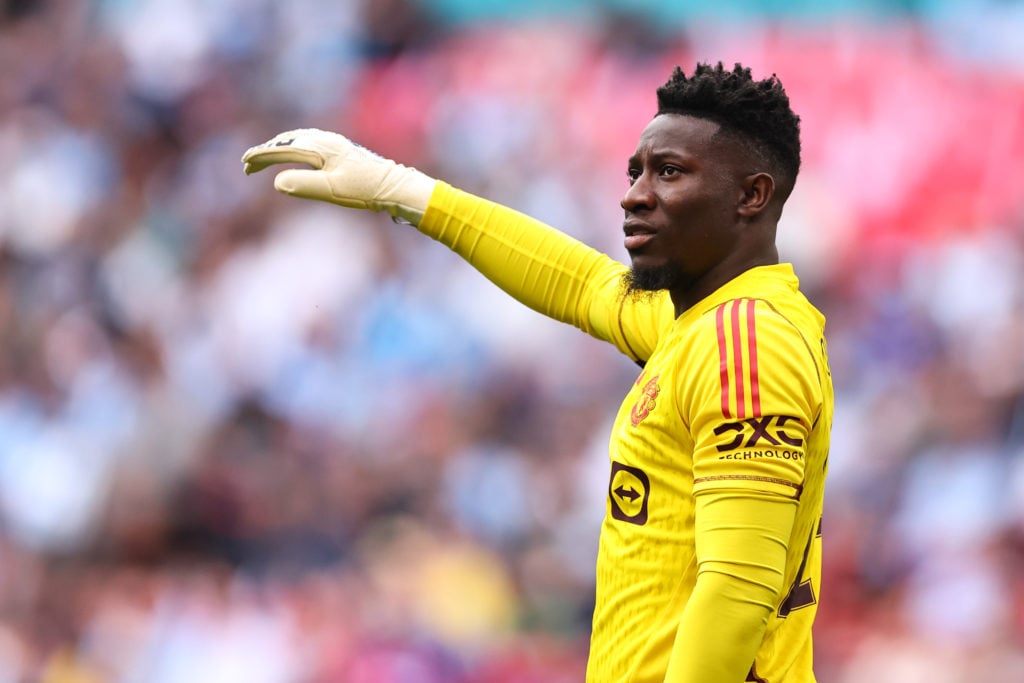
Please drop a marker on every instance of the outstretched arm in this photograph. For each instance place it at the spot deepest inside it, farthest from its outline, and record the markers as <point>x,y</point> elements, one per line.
<point>541,267</point>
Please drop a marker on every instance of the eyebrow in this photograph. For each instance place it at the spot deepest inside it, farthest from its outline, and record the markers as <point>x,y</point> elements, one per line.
<point>661,155</point>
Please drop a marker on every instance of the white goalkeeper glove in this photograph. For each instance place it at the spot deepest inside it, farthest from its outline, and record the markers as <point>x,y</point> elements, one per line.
<point>343,172</point>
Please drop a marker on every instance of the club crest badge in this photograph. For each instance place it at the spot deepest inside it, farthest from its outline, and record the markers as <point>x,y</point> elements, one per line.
<point>645,404</point>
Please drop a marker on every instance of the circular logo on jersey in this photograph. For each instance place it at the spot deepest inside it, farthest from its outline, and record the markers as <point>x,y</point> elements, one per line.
<point>628,490</point>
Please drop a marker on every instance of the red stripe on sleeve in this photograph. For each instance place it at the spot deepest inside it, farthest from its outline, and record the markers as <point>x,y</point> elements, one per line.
<point>755,389</point>
<point>723,359</point>
<point>737,350</point>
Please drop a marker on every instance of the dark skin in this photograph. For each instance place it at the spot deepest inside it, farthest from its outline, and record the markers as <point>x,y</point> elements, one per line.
<point>700,209</point>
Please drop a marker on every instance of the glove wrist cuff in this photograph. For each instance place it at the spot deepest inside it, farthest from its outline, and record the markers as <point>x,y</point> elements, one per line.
<point>408,198</point>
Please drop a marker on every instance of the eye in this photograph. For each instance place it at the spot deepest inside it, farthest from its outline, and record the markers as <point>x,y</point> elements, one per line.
<point>632,175</point>
<point>671,171</point>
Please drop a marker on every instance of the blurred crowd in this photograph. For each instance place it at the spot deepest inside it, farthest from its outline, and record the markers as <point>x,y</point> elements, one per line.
<point>249,438</point>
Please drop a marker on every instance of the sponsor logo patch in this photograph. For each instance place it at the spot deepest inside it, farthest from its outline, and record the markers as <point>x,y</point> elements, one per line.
<point>628,490</point>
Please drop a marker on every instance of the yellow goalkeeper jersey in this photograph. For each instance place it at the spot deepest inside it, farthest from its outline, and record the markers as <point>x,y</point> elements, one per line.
<point>734,396</point>
<point>735,393</point>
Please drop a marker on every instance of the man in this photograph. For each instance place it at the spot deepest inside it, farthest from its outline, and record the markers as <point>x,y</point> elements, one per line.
<point>710,550</point>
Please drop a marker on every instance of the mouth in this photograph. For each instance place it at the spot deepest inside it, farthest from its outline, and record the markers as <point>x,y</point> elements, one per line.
<point>637,234</point>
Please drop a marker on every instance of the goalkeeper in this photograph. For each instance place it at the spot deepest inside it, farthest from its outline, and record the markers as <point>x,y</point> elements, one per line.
<point>709,562</point>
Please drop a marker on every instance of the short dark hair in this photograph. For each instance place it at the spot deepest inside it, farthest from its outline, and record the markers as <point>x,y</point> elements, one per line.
<point>757,111</point>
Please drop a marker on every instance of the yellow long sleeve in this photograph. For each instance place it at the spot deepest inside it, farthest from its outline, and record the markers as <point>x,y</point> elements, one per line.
<point>741,543</point>
<point>544,269</point>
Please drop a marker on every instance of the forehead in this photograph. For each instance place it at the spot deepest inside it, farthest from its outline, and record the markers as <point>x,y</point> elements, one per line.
<point>678,133</point>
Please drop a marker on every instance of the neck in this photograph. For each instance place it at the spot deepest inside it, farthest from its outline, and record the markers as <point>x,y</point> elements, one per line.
<point>737,263</point>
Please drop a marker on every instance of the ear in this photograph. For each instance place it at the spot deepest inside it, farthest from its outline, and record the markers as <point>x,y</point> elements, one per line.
<point>757,192</point>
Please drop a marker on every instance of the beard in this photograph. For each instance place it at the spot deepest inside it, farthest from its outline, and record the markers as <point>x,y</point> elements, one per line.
<point>652,278</point>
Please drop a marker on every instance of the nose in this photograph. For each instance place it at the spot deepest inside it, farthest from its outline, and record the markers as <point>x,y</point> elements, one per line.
<point>638,196</point>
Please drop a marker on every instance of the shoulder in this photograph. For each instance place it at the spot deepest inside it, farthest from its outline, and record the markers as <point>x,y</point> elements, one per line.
<point>754,339</point>
<point>756,322</point>
<point>747,357</point>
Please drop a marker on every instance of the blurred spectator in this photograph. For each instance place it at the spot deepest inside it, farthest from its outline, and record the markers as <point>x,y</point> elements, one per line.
<point>232,424</point>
